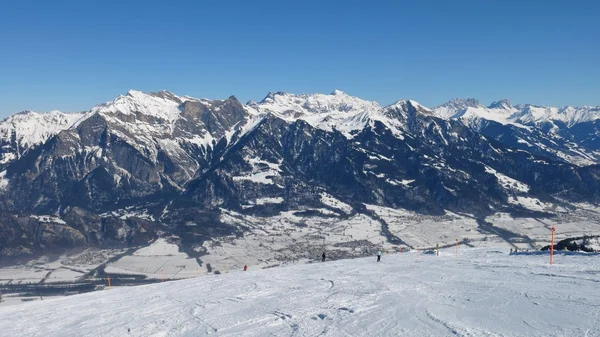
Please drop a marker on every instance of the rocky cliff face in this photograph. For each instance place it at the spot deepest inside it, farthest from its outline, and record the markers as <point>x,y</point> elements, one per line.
<point>145,164</point>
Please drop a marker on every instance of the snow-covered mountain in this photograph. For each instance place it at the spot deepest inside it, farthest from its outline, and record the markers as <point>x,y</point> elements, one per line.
<point>27,129</point>
<point>524,114</point>
<point>337,111</point>
<point>568,133</point>
<point>150,163</point>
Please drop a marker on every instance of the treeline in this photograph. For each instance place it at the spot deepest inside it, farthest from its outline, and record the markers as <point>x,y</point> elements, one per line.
<point>572,245</point>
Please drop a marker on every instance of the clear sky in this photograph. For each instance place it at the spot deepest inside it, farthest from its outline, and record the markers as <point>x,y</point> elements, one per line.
<point>71,55</point>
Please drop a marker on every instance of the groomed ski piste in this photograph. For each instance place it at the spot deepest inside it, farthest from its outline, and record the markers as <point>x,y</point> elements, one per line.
<point>482,292</point>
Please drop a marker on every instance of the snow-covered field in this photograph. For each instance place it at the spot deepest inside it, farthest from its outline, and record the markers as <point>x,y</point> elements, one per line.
<point>69,267</point>
<point>159,260</point>
<point>22,274</point>
<point>485,292</point>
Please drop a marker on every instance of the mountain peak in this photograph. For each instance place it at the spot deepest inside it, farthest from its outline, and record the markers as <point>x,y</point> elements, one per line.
<point>404,108</point>
<point>501,104</point>
<point>162,105</point>
<point>463,102</point>
<point>398,104</point>
<point>455,107</point>
<point>164,94</point>
<point>337,92</point>
<point>271,96</point>
<point>135,93</point>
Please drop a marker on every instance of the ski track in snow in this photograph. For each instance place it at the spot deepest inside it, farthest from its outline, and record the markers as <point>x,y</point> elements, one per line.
<point>485,292</point>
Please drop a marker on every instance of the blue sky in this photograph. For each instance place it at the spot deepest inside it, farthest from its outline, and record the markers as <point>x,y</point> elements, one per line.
<point>72,55</point>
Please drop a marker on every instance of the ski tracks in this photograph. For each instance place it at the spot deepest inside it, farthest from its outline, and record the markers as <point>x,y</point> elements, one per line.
<point>457,330</point>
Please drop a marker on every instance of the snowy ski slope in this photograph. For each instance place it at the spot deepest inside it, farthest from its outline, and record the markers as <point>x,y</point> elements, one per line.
<point>485,292</point>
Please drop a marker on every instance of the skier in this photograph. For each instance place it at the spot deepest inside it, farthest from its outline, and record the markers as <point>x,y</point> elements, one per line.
<point>245,267</point>
<point>323,257</point>
<point>378,255</point>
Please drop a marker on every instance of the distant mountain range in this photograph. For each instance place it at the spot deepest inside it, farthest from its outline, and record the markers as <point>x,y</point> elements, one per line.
<point>568,134</point>
<point>150,163</point>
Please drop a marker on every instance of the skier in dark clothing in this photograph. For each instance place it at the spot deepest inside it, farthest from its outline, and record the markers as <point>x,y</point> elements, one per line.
<point>323,256</point>
<point>378,256</point>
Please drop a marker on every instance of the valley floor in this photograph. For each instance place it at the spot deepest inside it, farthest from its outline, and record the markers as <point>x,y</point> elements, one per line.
<point>485,292</point>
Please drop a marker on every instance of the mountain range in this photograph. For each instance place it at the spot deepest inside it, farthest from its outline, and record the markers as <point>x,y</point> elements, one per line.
<point>146,164</point>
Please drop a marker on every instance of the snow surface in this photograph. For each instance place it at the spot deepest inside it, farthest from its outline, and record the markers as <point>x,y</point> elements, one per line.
<point>330,201</point>
<point>485,292</point>
<point>63,275</point>
<point>33,128</point>
<point>531,203</point>
<point>22,274</point>
<point>507,182</point>
<point>3,180</point>
<point>517,115</point>
<point>264,201</point>
<point>159,247</point>
<point>259,177</point>
<point>140,102</point>
<point>49,219</point>
<point>159,260</point>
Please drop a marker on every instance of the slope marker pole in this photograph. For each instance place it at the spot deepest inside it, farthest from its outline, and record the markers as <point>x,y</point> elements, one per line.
<point>457,248</point>
<point>162,271</point>
<point>108,276</point>
<point>552,246</point>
